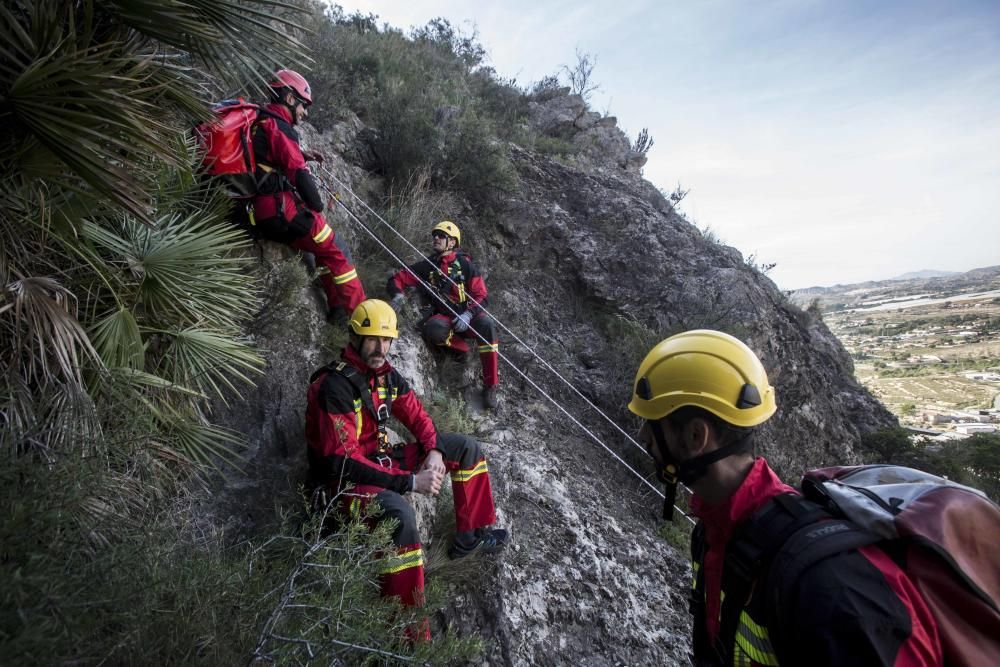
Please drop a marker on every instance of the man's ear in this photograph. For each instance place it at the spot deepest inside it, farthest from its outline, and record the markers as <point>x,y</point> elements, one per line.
<point>697,436</point>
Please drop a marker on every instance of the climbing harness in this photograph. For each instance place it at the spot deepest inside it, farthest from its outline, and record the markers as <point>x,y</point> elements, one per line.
<point>449,307</point>
<point>386,393</point>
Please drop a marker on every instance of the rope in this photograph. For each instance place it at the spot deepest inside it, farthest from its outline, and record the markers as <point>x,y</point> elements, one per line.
<point>484,309</point>
<point>430,289</point>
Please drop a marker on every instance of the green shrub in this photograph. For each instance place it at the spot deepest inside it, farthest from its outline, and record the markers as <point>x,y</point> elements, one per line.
<point>96,570</point>
<point>431,104</point>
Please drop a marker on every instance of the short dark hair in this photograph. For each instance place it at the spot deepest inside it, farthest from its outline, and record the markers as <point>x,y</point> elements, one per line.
<point>727,433</point>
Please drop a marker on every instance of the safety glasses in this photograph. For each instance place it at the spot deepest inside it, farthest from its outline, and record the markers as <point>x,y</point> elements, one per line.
<point>438,234</point>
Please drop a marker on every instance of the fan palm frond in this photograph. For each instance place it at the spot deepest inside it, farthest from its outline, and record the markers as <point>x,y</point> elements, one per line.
<point>117,340</point>
<point>188,269</point>
<point>226,35</point>
<point>201,443</point>
<point>209,361</point>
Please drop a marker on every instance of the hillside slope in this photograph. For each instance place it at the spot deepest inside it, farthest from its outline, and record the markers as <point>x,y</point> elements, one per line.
<point>588,265</point>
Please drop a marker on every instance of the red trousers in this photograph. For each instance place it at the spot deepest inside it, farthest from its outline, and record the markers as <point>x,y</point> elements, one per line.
<point>281,218</point>
<point>403,572</point>
<point>340,280</point>
<point>437,329</point>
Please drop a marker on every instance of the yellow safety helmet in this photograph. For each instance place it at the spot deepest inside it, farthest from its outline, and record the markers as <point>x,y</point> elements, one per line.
<point>374,318</point>
<point>707,369</point>
<point>449,228</point>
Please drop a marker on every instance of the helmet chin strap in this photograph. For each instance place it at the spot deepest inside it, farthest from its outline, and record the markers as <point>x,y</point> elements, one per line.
<point>690,471</point>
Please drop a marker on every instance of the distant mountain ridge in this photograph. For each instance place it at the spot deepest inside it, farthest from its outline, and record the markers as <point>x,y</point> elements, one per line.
<point>926,273</point>
<point>941,283</point>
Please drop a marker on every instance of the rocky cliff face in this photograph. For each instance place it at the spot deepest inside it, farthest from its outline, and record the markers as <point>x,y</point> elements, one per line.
<point>588,266</point>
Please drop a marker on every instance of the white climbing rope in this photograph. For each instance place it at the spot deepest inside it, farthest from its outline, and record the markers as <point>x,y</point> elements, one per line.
<point>444,302</point>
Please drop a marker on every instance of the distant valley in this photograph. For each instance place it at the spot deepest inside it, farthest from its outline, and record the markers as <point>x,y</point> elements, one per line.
<point>927,347</point>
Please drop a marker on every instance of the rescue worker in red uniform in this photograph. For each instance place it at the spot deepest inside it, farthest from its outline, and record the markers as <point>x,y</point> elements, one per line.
<point>457,302</point>
<point>349,403</point>
<point>288,207</point>
<point>701,393</point>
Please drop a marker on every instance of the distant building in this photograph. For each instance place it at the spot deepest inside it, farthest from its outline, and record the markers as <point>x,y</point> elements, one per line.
<point>970,429</point>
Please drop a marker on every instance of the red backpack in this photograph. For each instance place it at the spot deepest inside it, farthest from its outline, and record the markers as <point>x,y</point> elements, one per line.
<point>942,534</point>
<point>227,146</point>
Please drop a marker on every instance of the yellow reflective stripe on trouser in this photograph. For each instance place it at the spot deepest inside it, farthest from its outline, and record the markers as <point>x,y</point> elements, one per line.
<point>466,475</point>
<point>695,566</point>
<point>489,348</point>
<point>323,234</point>
<point>403,561</point>
<point>753,641</point>
<point>345,277</point>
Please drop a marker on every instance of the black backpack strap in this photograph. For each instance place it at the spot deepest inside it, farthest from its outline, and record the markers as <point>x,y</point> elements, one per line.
<point>750,553</point>
<point>802,550</point>
<point>363,391</point>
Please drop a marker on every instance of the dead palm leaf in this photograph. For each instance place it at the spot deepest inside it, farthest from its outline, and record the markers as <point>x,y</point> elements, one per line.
<point>47,332</point>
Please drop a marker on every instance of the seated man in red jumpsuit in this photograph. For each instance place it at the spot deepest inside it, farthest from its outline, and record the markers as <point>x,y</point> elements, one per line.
<point>288,207</point>
<point>457,302</point>
<point>349,403</point>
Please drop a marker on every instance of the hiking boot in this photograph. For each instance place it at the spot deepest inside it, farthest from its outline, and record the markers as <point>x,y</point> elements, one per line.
<point>490,398</point>
<point>488,541</point>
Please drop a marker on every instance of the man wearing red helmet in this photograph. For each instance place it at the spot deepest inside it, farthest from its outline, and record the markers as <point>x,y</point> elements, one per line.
<point>288,207</point>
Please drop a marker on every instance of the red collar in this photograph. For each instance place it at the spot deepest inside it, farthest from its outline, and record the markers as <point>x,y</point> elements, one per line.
<point>279,109</point>
<point>448,257</point>
<point>759,486</point>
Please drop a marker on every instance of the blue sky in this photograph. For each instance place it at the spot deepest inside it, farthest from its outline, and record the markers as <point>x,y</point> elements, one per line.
<point>844,140</point>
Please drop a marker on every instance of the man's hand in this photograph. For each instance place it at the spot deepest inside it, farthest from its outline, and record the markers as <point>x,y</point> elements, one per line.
<point>434,461</point>
<point>397,301</point>
<point>461,323</point>
<point>428,480</point>
<point>312,156</point>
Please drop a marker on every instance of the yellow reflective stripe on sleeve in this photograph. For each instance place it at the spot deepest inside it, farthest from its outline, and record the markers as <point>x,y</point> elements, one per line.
<point>489,348</point>
<point>403,561</point>
<point>466,475</point>
<point>323,234</point>
<point>753,640</point>
<point>461,293</point>
<point>345,277</point>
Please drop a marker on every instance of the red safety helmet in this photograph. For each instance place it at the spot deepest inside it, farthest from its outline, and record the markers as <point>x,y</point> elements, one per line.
<point>286,78</point>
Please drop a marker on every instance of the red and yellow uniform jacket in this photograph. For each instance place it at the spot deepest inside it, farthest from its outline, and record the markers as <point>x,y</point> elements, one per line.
<point>856,608</point>
<point>343,435</point>
<point>281,168</point>
<point>465,291</point>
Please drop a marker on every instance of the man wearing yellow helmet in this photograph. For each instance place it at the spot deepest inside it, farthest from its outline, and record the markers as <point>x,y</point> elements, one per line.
<point>457,298</point>
<point>701,394</point>
<point>349,404</point>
